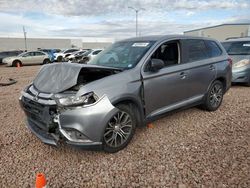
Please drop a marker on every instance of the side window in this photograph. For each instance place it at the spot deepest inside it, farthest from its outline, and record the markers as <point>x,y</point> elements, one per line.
<point>196,50</point>
<point>28,54</point>
<point>38,54</point>
<point>96,52</point>
<point>168,52</point>
<point>213,49</point>
<point>71,50</point>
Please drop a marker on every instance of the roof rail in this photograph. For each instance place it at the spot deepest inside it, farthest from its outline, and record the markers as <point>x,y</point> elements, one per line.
<point>236,37</point>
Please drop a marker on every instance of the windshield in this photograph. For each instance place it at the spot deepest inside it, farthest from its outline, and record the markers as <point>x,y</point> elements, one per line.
<point>124,55</point>
<point>237,48</point>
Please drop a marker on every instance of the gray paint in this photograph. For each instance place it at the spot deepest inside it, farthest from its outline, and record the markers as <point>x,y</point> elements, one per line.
<point>152,92</point>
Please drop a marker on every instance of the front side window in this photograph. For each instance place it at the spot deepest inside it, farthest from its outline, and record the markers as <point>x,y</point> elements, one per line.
<point>196,50</point>
<point>27,54</point>
<point>237,48</point>
<point>124,55</point>
<point>168,53</point>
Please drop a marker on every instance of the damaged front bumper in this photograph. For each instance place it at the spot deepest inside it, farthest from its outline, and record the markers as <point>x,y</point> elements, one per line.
<point>78,126</point>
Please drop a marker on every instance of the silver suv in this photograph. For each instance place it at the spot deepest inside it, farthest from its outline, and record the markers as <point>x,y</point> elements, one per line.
<point>239,51</point>
<point>130,84</point>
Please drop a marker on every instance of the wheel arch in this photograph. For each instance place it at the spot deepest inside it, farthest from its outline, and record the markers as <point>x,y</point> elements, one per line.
<point>16,61</point>
<point>135,104</point>
<point>223,81</point>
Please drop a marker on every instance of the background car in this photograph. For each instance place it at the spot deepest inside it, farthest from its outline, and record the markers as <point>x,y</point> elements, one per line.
<point>51,53</point>
<point>27,58</point>
<point>110,57</point>
<point>63,54</point>
<point>239,51</point>
<point>77,55</point>
<point>94,53</point>
<point>9,54</point>
<point>89,56</point>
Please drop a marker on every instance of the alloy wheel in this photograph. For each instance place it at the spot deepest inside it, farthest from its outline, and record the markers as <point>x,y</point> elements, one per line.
<point>118,129</point>
<point>216,95</point>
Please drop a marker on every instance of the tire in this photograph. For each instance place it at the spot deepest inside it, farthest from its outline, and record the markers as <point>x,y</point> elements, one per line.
<point>15,63</point>
<point>248,83</point>
<point>46,61</point>
<point>59,59</point>
<point>119,130</point>
<point>214,96</point>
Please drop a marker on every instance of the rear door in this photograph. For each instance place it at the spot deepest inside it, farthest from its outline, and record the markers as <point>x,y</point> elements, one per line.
<point>39,57</point>
<point>27,58</point>
<point>200,56</point>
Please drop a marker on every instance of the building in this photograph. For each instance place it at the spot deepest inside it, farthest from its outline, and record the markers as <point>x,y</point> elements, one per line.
<point>222,32</point>
<point>8,43</point>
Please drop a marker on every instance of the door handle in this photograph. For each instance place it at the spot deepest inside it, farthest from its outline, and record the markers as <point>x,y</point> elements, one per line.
<point>183,75</point>
<point>211,67</point>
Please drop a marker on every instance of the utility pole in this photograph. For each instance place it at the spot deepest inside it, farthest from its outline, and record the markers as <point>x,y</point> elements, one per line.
<point>25,39</point>
<point>136,18</point>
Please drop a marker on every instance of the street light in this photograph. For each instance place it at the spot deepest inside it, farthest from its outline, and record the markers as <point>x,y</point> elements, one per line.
<point>136,18</point>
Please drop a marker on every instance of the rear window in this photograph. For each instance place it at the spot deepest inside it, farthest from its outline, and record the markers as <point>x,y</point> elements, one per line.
<point>213,49</point>
<point>237,48</point>
<point>197,50</point>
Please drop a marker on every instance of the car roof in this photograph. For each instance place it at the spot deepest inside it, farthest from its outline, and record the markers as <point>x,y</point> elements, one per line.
<point>163,37</point>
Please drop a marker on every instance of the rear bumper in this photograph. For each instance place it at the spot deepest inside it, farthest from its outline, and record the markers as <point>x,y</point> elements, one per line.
<point>90,121</point>
<point>241,76</point>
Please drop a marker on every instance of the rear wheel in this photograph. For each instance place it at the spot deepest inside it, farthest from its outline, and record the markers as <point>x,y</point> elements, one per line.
<point>214,96</point>
<point>119,130</point>
<point>46,61</point>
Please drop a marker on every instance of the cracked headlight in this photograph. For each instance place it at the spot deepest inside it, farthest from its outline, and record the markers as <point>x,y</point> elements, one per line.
<point>241,63</point>
<point>77,101</point>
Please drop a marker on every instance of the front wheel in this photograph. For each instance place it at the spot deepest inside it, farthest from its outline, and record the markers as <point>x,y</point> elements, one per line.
<point>214,96</point>
<point>119,130</point>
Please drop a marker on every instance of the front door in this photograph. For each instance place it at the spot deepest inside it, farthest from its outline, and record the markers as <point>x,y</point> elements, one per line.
<point>167,88</point>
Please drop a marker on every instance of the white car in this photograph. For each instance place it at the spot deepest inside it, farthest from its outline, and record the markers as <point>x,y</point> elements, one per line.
<point>76,54</point>
<point>27,58</point>
<point>94,53</point>
<point>109,57</point>
<point>65,53</point>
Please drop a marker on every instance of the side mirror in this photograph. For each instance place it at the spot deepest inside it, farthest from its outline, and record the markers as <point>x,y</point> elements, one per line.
<point>156,64</point>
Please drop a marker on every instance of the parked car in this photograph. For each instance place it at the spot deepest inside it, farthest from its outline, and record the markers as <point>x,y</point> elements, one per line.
<point>89,55</point>
<point>27,58</point>
<point>102,102</point>
<point>239,50</point>
<point>94,53</point>
<point>51,53</point>
<point>9,54</point>
<point>74,57</point>
<point>63,54</point>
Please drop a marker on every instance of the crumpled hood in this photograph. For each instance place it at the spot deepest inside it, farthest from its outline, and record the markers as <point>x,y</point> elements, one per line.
<point>57,77</point>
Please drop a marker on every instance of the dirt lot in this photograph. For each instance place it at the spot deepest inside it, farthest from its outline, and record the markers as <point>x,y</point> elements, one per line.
<point>191,148</point>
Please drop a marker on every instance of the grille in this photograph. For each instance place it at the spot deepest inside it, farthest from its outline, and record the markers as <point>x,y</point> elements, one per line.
<point>40,114</point>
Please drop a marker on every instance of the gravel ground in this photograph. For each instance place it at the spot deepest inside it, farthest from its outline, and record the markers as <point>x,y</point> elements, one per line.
<point>191,148</point>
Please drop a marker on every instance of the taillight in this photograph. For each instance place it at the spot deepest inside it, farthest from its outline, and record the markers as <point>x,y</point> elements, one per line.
<point>230,61</point>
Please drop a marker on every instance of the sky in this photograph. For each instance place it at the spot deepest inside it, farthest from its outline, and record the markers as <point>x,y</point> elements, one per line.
<point>113,18</point>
